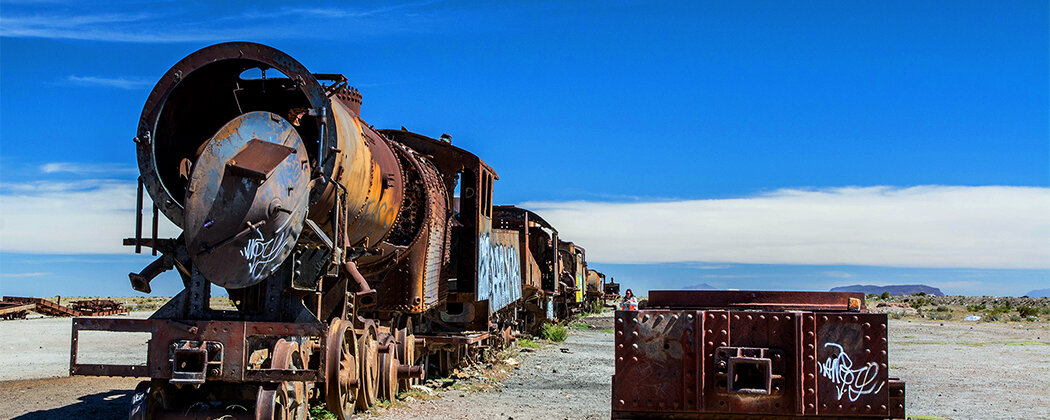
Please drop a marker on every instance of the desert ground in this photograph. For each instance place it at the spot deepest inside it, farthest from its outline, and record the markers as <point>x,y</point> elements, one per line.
<point>953,369</point>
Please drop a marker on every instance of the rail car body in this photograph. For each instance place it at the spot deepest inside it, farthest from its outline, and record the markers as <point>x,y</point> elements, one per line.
<point>745,355</point>
<point>357,259</point>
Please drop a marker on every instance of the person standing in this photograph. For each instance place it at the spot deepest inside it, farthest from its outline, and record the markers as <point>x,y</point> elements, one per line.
<point>629,303</point>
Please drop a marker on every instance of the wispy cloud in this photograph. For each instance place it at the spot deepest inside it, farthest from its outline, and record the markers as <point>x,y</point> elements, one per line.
<point>923,226</point>
<point>80,168</point>
<point>713,267</point>
<point>21,275</point>
<point>837,274</point>
<point>83,217</point>
<point>189,22</point>
<point>113,82</point>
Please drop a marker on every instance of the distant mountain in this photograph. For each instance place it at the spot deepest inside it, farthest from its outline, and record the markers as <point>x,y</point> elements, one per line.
<point>1038,293</point>
<point>701,286</point>
<point>902,289</point>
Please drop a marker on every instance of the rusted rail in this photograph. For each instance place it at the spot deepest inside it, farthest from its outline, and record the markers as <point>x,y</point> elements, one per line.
<point>14,310</point>
<point>43,306</point>
<point>94,307</point>
<point>98,307</point>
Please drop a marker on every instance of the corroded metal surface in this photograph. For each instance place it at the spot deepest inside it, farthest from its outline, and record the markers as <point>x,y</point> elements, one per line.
<point>806,361</point>
<point>240,225</point>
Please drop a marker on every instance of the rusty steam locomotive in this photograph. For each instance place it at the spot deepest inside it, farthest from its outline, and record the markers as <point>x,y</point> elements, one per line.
<point>357,259</point>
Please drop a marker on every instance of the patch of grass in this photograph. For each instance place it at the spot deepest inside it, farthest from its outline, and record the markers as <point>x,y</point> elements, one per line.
<point>608,330</point>
<point>554,332</point>
<point>580,325</point>
<point>528,343</point>
<point>415,394</point>
<point>975,344</point>
<point>319,412</point>
<point>383,405</point>
<point>596,307</point>
<point>1027,343</point>
<point>1027,311</point>
<point>922,343</point>
<point>940,316</point>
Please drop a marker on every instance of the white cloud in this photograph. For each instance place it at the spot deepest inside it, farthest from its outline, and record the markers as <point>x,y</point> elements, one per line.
<point>86,168</point>
<point>86,217</point>
<point>22,275</point>
<point>114,82</point>
<point>922,226</point>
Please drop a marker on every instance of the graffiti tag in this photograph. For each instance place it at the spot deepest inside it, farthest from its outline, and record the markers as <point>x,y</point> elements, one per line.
<point>260,252</point>
<point>499,273</point>
<point>850,382</point>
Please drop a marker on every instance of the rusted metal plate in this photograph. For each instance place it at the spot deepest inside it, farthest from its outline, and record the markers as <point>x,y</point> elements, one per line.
<point>693,363</point>
<point>656,361</point>
<point>499,268</point>
<point>755,299</point>
<point>852,369</point>
<point>258,159</point>
<point>239,230</point>
<point>234,339</point>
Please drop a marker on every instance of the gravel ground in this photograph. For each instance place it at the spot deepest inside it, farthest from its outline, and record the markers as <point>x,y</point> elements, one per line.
<point>557,381</point>
<point>39,347</point>
<point>969,370</point>
<point>957,370</point>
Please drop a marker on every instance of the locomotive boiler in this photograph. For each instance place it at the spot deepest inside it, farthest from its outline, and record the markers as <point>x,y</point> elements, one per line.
<point>356,259</point>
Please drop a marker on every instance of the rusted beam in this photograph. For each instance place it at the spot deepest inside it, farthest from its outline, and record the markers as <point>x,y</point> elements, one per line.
<point>755,299</point>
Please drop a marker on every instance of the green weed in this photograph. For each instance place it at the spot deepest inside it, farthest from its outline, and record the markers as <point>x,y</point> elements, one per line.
<point>528,343</point>
<point>554,332</point>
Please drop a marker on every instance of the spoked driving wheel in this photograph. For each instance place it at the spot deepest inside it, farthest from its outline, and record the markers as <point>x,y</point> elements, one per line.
<point>388,364</point>
<point>368,365</point>
<point>341,367</point>
<point>406,352</point>
<point>272,404</point>
<point>288,354</point>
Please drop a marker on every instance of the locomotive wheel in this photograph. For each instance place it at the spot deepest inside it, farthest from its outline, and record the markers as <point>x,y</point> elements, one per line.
<point>289,355</point>
<point>341,367</point>
<point>140,402</point>
<point>506,336</point>
<point>272,405</point>
<point>368,365</point>
<point>406,353</point>
<point>388,364</point>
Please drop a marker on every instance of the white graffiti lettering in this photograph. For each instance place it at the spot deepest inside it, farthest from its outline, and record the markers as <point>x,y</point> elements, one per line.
<point>499,272</point>
<point>259,252</point>
<point>850,382</point>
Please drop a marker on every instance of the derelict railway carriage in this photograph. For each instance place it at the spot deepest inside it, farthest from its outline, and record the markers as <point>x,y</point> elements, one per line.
<point>357,259</point>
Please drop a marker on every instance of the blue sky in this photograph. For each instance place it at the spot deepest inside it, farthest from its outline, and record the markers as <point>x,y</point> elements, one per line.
<point>785,133</point>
